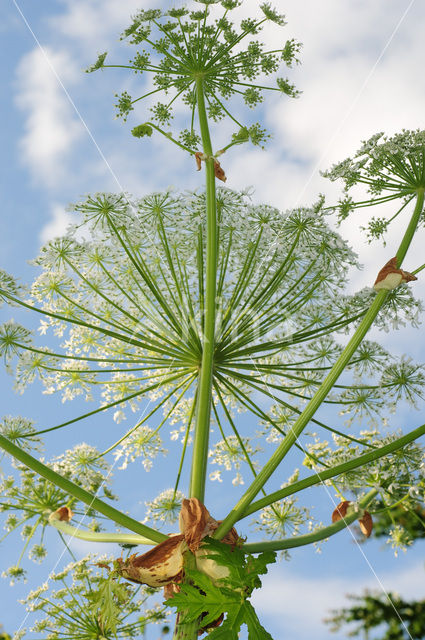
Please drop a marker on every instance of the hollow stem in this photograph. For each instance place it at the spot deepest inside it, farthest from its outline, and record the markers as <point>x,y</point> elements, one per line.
<point>345,467</point>
<point>93,536</point>
<point>327,384</point>
<point>186,630</point>
<point>203,413</point>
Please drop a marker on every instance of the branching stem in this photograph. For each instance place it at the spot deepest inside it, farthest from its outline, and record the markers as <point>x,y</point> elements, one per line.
<point>315,536</point>
<point>79,493</point>
<point>320,395</point>
<point>345,467</point>
<point>93,536</point>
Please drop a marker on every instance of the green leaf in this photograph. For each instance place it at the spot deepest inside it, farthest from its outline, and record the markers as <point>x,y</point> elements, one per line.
<point>255,630</point>
<point>244,568</point>
<point>107,602</point>
<point>230,557</point>
<point>230,628</point>
<point>257,566</point>
<point>203,597</point>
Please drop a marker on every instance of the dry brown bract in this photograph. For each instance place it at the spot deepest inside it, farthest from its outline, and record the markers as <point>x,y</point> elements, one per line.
<point>195,522</point>
<point>63,514</point>
<point>163,565</point>
<point>365,522</point>
<point>341,511</point>
<point>390,277</point>
<point>157,567</point>
<point>218,171</point>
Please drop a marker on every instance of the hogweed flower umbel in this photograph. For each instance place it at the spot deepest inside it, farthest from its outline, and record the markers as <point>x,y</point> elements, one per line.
<point>182,48</point>
<point>391,168</point>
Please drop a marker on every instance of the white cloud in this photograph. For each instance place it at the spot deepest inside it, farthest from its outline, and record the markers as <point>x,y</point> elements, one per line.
<point>57,225</point>
<point>347,93</point>
<point>90,22</point>
<point>52,128</point>
<point>301,603</point>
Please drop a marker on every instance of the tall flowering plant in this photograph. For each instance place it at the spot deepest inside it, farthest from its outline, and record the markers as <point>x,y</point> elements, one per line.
<point>202,305</point>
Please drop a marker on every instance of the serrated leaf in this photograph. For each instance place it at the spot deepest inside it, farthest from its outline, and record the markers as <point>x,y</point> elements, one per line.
<point>255,630</point>
<point>260,563</point>
<point>203,597</point>
<point>256,566</point>
<point>225,554</point>
<point>244,569</point>
<point>107,601</point>
<point>230,628</point>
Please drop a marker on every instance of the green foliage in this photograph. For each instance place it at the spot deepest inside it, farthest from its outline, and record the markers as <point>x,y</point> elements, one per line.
<point>108,600</point>
<point>410,518</point>
<point>80,602</point>
<point>200,596</point>
<point>402,620</point>
<point>100,62</point>
<point>142,130</point>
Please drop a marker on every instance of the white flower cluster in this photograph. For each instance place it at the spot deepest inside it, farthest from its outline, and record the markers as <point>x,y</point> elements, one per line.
<point>165,508</point>
<point>142,445</point>
<point>231,455</point>
<point>394,475</point>
<point>20,431</point>
<point>84,602</point>
<point>391,168</point>
<point>83,464</point>
<point>282,519</point>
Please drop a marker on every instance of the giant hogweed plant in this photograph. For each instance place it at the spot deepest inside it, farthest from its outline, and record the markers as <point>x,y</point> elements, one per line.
<point>196,306</point>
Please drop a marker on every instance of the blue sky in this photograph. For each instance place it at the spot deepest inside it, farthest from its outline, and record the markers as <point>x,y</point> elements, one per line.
<point>362,72</point>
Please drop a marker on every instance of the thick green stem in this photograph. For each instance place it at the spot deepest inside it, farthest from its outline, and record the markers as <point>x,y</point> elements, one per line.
<point>345,467</point>
<point>202,425</point>
<point>79,493</point>
<point>410,231</point>
<point>321,393</point>
<point>187,630</point>
<point>93,536</point>
<point>315,536</point>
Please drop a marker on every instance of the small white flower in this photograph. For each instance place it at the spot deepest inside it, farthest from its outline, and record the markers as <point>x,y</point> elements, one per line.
<point>216,475</point>
<point>414,491</point>
<point>141,444</point>
<point>42,329</point>
<point>238,480</point>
